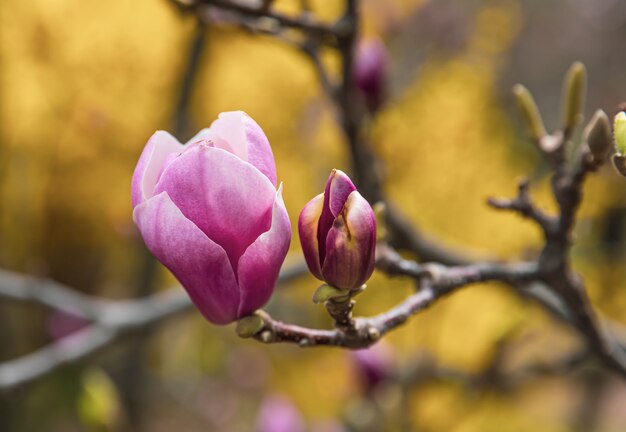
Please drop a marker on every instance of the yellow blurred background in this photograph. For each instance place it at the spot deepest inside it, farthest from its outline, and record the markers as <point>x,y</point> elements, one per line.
<point>84,84</point>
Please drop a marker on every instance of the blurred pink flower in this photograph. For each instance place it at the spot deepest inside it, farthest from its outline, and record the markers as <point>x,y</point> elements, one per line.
<point>61,323</point>
<point>279,414</point>
<point>370,70</point>
<point>374,364</point>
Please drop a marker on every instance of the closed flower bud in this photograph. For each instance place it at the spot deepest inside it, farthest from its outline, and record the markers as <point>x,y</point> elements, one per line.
<point>530,113</point>
<point>374,365</point>
<point>598,136</point>
<point>574,90</point>
<point>338,234</point>
<point>619,131</point>
<point>210,212</point>
<point>370,70</point>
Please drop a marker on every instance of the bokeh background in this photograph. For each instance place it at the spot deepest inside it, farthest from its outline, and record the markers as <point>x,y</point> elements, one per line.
<point>84,84</point>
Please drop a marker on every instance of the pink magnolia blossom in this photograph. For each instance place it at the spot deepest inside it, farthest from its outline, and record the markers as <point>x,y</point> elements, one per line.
<point>210,212</point>
<point>338,234</point>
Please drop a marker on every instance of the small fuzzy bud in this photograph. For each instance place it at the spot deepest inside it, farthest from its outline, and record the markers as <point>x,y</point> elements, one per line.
<point>574,89</point>
<point>619,132</point>
<point>249,326</point>
<point>619,161</point>
<point>598,136</point>
<point>530,114</point>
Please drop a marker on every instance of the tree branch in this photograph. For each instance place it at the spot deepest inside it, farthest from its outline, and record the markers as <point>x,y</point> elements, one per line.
<point>109,319</point>
<point>436,281</point>
<point>554,260</point>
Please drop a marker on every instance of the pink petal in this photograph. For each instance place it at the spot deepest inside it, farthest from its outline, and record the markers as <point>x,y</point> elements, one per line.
<point>350,245</point>
<point>200,265</point>
<point>160,147</point>
<point>228,199</point>
<point>237,133</point>
<point>308,223</point>
<point>338,187</point>
<point>259,151</point>
<point>260,264</point>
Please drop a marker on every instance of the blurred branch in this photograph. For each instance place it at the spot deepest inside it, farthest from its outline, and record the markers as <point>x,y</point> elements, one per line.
<point>304,22</point>
<point>423,368</point>
<point>523,205</point>
<point>109,319</point>
<point>554,260</point>
<point>187,81</point>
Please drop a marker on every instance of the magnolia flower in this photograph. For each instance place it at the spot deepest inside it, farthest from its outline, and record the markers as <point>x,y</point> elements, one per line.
<point>338,234</point>
<point>210,212</point>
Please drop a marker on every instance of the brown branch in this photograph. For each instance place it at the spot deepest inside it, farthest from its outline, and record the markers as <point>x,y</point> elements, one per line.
<point>423,368</point>
<point>311,49</point>
<point>523,205</point>
<point>556,269</point>
<point>554,260</point>
<point>437,281</point>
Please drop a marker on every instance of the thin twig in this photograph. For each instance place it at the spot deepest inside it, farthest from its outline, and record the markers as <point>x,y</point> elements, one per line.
<point>523,205</point>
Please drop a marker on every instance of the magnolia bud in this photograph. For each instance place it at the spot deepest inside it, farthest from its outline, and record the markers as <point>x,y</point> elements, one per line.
<point>619,132</point>
<point>620,164</point>
<point>374,364</point>
<point>530,114</point>
<point>574,89</point>
<point>338,234</point>
<point>370,70</point>
<point>598,136</point>
<point>619,135</point>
